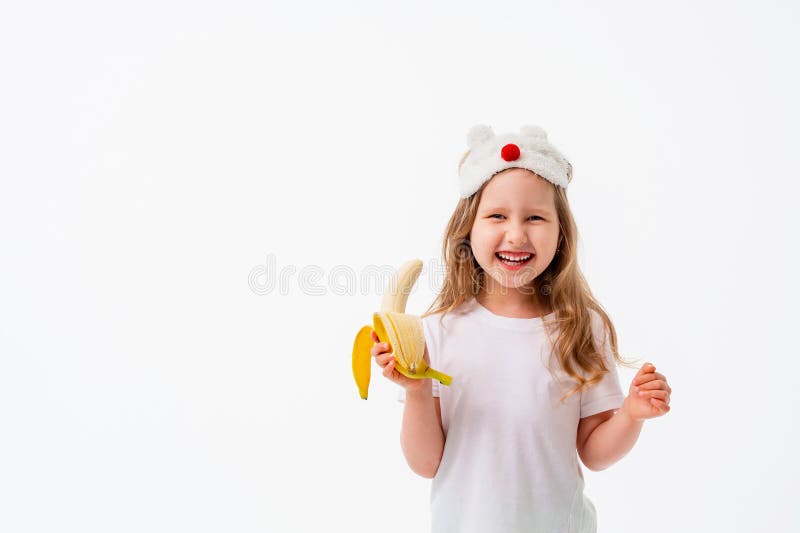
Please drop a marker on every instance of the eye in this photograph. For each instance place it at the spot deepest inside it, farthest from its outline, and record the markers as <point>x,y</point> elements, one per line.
<point>499,215</point>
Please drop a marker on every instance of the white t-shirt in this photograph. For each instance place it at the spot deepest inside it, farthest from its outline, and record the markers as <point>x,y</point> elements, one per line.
<point>510,463</point>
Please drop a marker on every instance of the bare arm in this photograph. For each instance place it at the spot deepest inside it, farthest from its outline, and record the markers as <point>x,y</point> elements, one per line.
<point>421,437</point>
<point>612,437</point>
<point>604,439</point>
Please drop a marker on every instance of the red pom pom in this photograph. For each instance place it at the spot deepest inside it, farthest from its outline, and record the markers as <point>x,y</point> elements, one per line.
<point>510,152</point>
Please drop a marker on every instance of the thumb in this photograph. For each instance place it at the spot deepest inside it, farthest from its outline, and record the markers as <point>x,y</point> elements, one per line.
<point>647,367</point>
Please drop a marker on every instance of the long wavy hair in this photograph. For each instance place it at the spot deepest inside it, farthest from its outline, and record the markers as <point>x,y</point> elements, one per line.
<point>560,288</point>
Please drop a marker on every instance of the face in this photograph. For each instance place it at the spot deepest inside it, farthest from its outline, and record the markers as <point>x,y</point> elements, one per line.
<point>516,217</point>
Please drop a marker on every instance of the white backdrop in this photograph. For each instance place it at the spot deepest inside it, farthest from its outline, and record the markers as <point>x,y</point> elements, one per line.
<point>164,165</point>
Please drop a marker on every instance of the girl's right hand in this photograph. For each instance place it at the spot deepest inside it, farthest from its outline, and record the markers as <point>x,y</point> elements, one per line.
<point>381,351</point>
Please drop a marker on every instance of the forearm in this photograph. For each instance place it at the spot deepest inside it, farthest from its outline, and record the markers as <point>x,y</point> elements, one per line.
<point>611,441</point>
<point>421,436</point>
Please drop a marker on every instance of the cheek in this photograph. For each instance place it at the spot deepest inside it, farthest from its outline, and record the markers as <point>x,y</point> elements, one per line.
<point>488,230</point>
<point>545,235</point>
<point>486,241</point>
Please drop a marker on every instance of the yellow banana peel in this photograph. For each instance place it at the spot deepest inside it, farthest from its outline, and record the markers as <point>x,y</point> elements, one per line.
<point>402,331</point>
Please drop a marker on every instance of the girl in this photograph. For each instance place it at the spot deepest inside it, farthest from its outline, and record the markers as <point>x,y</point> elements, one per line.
<point>531,351</point>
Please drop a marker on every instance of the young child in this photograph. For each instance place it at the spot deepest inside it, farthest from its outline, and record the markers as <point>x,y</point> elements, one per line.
<point>531,351</point>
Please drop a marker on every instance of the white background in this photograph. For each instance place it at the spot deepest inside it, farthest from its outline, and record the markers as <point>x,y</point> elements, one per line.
<point>155,155</point>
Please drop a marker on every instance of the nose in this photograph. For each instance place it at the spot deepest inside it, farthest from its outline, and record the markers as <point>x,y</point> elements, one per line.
<point>516,235</point>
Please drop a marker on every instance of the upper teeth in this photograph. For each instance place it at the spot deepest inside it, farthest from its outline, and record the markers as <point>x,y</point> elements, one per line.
<point>514,258</point>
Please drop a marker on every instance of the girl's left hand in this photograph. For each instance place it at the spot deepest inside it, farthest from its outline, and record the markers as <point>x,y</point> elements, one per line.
<point>648,396</point>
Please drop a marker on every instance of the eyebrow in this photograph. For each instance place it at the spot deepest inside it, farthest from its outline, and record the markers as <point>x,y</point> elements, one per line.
<point>538,208</point>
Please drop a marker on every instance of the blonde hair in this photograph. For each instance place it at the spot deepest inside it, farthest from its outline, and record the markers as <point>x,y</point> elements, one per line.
<point>561,287</point>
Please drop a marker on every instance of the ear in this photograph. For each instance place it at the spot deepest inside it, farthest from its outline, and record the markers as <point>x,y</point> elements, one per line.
<point>533,131</point>
<point>478,134</point>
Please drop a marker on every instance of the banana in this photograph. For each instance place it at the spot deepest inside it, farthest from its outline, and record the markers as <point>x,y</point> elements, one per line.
<point>396,294</point>
<point>403,332</point>
<point>362,359</point>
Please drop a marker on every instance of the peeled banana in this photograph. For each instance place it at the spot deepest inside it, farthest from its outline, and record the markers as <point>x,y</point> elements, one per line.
<point>401,330</point>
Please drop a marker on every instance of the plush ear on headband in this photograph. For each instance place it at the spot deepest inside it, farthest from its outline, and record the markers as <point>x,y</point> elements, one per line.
<point>478,134</point>
<point>533,131</point>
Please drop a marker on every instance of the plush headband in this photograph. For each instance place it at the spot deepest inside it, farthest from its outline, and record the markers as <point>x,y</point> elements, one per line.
<point>489,154</point>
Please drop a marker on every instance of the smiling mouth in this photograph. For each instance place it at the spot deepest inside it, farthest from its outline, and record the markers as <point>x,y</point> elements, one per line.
<point>514,262</point>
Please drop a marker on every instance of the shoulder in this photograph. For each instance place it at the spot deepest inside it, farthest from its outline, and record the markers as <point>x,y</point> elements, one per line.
<point>599,327</point>
<point>440,320</point>
<point>596,319</point>
<point>602,336</point>
<point>433,327</point>
<point>432,321</point>
<point>459,312</point>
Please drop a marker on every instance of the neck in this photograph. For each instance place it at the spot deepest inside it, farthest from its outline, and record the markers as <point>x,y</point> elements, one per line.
<point>511,302</point>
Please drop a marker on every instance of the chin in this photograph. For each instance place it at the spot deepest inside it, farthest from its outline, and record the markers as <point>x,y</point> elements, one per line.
<point>510,281</point>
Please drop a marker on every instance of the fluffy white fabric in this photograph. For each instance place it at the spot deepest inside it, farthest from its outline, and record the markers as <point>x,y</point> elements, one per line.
<point>536,155</point>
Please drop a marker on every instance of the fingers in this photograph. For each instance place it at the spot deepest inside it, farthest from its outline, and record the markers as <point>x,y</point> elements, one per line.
<point>655,394</point>
<point>388,369</point>
<point>381,351</point>
<point>660,405</point>
<point>384,358</point>
<point>654,384</point>
<point>392,374</point>
<point>643,376</point>
<point>379,348</point>
<point>646,368</point>
<point>651,385</point>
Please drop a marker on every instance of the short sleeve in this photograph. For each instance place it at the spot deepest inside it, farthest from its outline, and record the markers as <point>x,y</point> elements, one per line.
<point>607,394</point>
<point>433,353</point>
